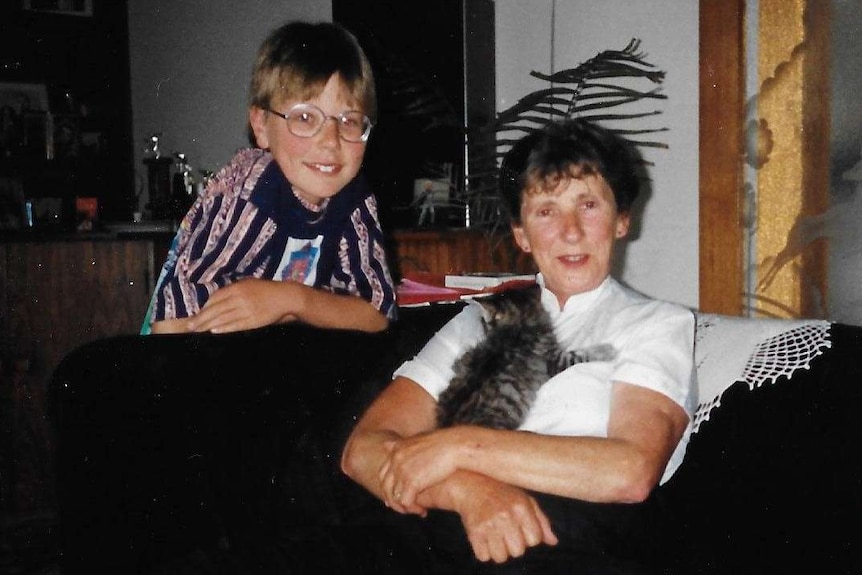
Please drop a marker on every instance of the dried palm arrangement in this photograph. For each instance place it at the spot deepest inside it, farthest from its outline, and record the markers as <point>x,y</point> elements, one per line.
<point>602,89</point>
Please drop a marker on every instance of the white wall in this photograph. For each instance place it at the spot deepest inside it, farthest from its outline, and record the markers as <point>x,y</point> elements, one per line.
<point>190,63</point>
<point>845,211</point>
<point>190,67</point>
<point>663,260</point>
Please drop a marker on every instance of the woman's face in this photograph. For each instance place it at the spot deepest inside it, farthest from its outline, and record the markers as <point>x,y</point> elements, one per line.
<point>317,167</point>
<point>570,233</point>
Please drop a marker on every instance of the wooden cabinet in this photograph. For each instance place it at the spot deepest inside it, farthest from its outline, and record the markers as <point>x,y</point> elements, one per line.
<point>60,293</point>
<point>458,251</point>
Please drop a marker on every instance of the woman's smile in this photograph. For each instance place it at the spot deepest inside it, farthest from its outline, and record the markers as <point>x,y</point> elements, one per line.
<point>573,259</point>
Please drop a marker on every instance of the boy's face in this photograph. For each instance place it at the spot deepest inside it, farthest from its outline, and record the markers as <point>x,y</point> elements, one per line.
<point>318,167</point>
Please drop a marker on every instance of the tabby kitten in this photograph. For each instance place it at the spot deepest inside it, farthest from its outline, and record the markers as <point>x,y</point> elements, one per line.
<point>496,381</point>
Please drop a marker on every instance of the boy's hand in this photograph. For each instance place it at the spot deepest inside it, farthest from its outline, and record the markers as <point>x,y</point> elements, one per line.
<point>247,304</point>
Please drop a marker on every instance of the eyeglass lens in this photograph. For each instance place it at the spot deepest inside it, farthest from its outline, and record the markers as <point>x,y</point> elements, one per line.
<point>305,120</point>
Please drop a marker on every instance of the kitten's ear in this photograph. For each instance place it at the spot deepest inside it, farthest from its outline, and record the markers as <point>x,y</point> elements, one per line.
<point>486,307</point>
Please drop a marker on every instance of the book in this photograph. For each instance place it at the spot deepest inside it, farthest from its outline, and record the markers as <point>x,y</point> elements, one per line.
<point>483,281</point>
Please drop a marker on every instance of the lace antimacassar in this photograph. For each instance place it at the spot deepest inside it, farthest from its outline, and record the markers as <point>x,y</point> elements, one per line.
<point>774,357</point>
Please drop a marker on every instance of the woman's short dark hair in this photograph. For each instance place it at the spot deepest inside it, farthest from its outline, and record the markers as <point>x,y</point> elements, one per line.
<point>298,58</point>
<point>571,148</point>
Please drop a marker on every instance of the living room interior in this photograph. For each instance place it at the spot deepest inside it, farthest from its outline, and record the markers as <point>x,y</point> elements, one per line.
<point>708,238</point>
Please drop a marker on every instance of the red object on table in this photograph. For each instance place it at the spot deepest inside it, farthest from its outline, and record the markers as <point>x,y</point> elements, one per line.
<point>418,288</point>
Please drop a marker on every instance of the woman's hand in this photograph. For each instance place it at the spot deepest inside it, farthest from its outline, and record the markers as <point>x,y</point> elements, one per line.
<point>502,521</point>
<point>418,462</point>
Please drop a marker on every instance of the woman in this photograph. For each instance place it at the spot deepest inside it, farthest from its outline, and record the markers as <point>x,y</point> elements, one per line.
<point>580,474</point>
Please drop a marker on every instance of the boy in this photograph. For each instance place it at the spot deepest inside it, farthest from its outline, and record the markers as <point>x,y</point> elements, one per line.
<point>287,231</point>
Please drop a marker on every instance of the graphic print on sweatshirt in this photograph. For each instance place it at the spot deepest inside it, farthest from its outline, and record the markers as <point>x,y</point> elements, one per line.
<point>299,261</point>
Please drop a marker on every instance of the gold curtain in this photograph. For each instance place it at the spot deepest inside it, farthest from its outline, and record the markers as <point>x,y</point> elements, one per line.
<point>787,128</point>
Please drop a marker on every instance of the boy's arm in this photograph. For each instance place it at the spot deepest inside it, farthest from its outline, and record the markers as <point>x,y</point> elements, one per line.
<point>253,303</point>
<point>174,325</point>
<point>206,254</point>
<point>363,261</point>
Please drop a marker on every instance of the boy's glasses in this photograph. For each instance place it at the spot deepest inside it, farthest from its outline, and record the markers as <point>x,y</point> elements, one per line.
<point>306,120</point>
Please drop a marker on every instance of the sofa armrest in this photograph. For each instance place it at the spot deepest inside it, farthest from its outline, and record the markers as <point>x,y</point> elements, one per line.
<point>772,479</point>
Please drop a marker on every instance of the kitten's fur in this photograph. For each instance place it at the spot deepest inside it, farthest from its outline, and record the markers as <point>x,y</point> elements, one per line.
<point>496,381</point>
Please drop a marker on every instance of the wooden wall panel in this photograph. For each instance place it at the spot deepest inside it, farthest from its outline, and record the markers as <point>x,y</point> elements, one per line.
<point>722,105</point>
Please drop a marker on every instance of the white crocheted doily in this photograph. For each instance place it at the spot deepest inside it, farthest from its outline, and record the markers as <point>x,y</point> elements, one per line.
<point>730,349</point>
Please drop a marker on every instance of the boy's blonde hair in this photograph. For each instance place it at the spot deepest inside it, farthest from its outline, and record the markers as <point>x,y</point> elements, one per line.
<point>297,59</point>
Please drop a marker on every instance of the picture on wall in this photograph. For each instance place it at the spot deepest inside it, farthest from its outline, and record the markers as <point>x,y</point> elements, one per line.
<point>26,129</point>
<point>71,7</point>
<point>13,208</point>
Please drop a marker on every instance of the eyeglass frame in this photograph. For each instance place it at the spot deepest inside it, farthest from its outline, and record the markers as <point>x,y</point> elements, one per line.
<point>339,119</point>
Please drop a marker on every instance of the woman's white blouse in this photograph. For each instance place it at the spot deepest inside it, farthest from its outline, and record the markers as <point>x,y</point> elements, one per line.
<point>655,349</point>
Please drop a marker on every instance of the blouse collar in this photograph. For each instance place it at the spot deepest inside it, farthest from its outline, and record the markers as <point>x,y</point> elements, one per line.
<point>577,302</point>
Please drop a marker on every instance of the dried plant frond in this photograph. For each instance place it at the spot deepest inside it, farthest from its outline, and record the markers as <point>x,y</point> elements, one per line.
<point>595,89</point>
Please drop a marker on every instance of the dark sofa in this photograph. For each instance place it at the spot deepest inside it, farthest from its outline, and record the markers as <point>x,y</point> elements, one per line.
<point>219,454</point>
